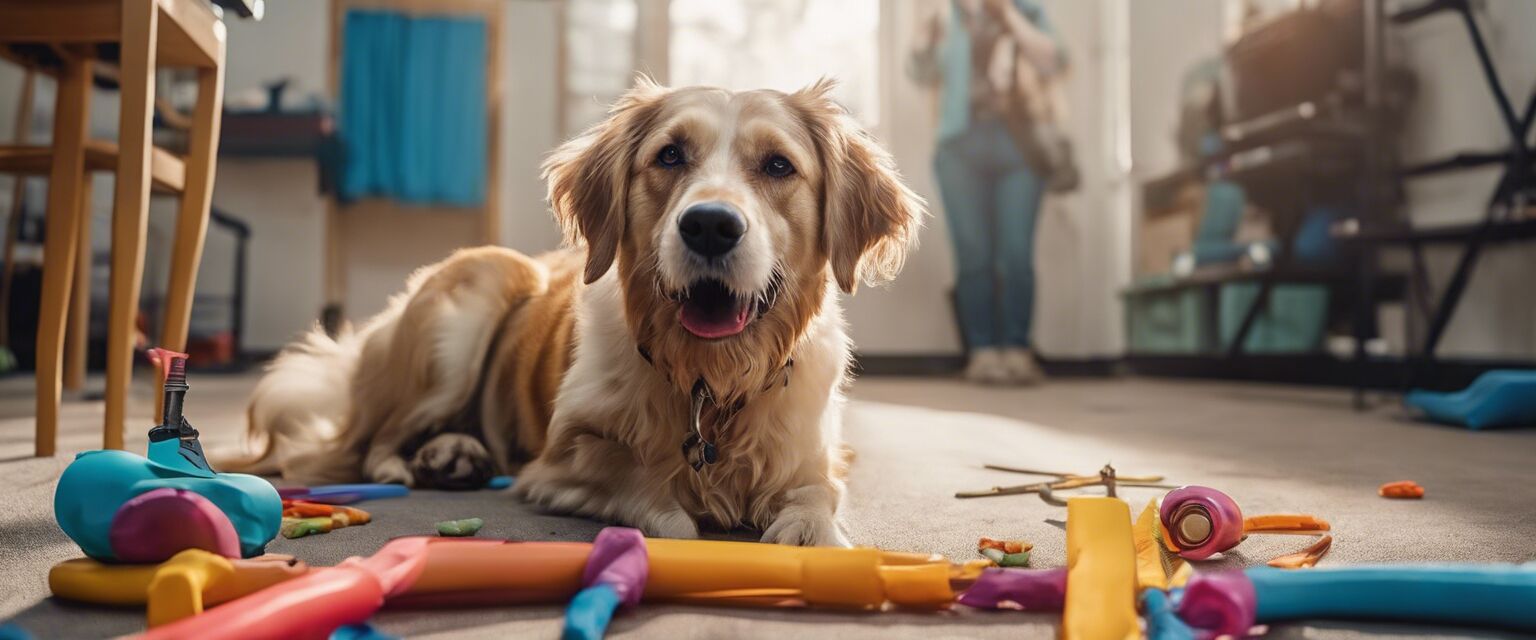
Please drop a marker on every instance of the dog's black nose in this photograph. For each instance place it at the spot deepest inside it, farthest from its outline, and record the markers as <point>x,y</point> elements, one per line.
<point>711,229</point>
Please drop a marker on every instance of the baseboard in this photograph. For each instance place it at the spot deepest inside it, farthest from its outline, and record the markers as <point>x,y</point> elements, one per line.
<point>948,364</point>
<point>1385,374</point>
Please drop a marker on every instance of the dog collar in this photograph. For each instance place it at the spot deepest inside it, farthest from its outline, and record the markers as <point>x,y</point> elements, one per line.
<point>698,449</point>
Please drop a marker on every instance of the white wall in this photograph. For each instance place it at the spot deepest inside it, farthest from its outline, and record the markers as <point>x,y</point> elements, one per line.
<point>1164,44</point>
<point>278,198</point>
<point>530,110</point>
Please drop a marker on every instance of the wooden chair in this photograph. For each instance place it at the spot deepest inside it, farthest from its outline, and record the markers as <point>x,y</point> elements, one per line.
<point>150,34</point>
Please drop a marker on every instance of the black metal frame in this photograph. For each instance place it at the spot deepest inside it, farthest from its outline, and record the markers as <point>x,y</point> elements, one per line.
<point>242,233</point>
<point>1495,225</point>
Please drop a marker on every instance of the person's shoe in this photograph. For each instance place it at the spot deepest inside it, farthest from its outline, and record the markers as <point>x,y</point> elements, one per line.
<point>987,367</point>
<point>1021,367</point>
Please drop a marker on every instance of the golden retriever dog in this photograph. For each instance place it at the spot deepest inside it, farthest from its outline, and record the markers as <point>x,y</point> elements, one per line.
<point>681,365</point>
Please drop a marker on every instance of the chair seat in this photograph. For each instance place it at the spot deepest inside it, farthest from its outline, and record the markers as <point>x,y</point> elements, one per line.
<point>189,33</point>
<point>167,171</point>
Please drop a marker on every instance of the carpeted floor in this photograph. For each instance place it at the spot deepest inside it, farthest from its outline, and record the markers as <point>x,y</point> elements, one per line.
<point>918,441</point>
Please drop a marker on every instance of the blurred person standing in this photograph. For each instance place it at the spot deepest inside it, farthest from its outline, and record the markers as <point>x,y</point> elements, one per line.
<point>996,64</point>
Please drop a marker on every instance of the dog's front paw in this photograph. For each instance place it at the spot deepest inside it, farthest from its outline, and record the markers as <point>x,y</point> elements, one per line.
<point>391,470</point>
<point>806,528</point>
<point>452,461</point>
<point>676,524</point>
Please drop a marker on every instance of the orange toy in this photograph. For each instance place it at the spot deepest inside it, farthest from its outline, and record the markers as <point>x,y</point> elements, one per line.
<point>494,571</point>
<point>1401,490</point>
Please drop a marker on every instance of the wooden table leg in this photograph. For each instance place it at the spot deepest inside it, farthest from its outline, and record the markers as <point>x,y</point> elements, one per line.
<point>130,205</point>
<point>192,220</point>
<point>77,336</point>
<point>70,127</point>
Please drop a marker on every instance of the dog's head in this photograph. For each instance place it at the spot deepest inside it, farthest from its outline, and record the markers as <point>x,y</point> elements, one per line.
<point>727,214</point>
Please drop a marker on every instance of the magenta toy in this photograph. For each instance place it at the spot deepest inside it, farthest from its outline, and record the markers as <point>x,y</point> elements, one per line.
<point>1202,521</point>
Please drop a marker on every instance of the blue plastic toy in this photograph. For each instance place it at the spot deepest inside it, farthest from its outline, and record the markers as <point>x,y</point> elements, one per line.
<point>1490,595</point>
<point>344,493</point>
<point>123,507</point>
<point>1502,398</point>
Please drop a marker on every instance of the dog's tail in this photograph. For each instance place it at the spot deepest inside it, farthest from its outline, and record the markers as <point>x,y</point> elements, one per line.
<point>300,404</point>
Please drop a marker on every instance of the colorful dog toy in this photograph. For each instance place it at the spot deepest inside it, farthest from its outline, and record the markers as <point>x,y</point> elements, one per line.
<point>1402,489</point>
<point>123,507</point>
<point>344,493</point>
<point>1005,553</point>
<point>460,528</point>
<point>1201,522</point>
<point>1231,602</point>
<point>620,567</point>
<point>174,589</point>
<point>301,518</point>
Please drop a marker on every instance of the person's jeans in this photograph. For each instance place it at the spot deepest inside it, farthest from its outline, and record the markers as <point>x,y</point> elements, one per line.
<point>991,200</point>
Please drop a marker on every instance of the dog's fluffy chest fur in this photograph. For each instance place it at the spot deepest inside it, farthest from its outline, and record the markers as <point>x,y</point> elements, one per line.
<point>613,394</point>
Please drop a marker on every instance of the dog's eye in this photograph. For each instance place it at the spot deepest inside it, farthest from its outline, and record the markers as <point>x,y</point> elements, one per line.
<point>778,167</point>
<point>670,156</point>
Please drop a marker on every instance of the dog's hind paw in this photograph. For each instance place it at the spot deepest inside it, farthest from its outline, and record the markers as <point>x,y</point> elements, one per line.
<point>805,528</point>
<point>452,461</point>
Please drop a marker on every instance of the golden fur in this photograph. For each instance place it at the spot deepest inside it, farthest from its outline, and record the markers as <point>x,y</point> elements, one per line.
<point>576,360</point>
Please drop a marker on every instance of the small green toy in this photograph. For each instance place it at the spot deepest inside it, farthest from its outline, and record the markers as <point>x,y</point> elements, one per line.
<point>460,528</point>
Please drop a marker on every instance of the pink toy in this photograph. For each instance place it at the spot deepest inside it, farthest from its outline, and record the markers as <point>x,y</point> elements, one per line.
<point>153,526</point>
<point>1201,521</point>
<point>1027,589</point>
<point>311,606</point>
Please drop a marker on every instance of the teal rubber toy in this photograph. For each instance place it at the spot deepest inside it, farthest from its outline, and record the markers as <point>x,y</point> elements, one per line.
<point>1501,398</point>
<point>97,483</point>
<point>95,501</point>
<point>1498,595</point>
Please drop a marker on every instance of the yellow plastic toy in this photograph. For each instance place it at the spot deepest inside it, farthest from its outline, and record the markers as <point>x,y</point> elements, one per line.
<point>174,589</point>
<point>1101,571</point>
<point>1157,567</point>
<point>691,570</point>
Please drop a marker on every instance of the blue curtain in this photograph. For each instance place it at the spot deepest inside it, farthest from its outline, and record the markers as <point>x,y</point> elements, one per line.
<point>413,114</point>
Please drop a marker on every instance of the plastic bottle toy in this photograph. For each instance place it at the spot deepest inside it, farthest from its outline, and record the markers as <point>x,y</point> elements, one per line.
<point>123,507</point>
<point>1201,522</point>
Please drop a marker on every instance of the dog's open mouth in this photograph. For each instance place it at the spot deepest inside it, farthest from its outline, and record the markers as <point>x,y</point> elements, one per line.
<point>710,310</point>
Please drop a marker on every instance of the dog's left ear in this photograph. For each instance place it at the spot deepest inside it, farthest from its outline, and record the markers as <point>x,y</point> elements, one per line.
<point>870,217</point>
<point>588,176</point>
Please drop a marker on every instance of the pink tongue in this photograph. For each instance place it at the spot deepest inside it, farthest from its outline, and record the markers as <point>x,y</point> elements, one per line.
<point>710,324</point>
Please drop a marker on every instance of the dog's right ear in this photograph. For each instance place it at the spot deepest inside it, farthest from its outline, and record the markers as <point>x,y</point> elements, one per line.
<point>588,176</point>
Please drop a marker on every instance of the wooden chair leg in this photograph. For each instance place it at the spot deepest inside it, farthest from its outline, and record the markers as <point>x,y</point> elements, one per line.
<point>130,212</point>
<point>77,336</point>
<point>192,220</point>
<point>67,174</point>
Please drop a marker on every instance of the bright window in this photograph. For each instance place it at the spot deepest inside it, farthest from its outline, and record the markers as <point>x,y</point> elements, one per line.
<point>780,44</point>
<point>599,58</point>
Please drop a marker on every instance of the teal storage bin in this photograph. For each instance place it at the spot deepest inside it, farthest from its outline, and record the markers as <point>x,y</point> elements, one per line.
<point>1292,322</point>
<point>1173,322</point>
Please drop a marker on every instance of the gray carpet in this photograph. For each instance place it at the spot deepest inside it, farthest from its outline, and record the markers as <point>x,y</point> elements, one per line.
<point>918,441</point>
